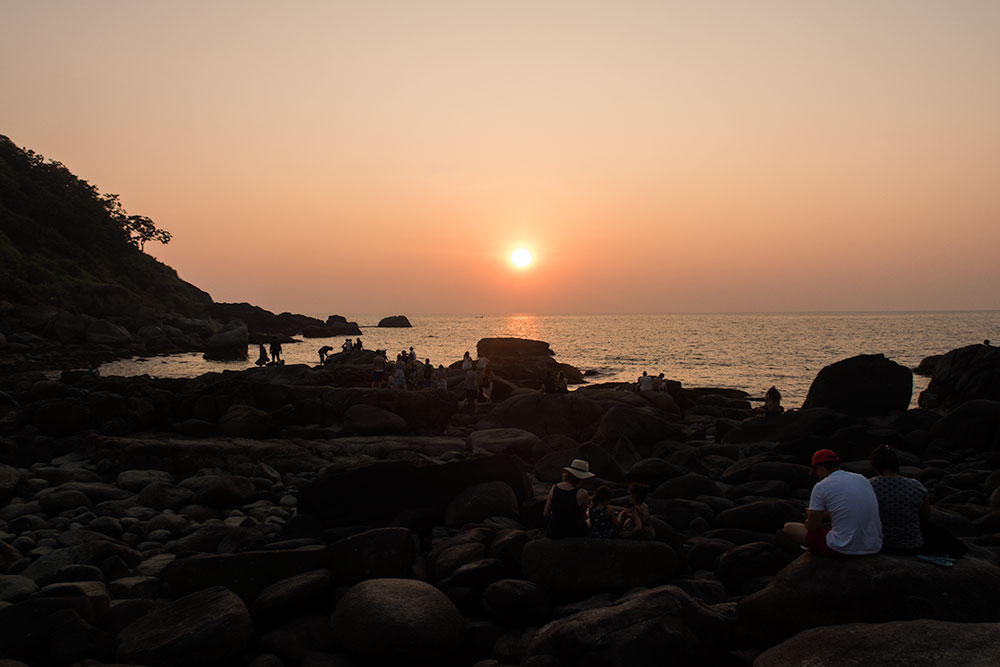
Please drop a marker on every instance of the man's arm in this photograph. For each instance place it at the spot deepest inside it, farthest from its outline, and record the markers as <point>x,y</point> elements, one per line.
<point>814,520</point>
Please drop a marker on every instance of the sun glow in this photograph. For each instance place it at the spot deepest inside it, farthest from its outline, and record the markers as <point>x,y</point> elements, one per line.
<point>520,258</point>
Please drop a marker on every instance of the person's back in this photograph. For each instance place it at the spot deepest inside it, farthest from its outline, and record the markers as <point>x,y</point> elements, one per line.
<point>856,528</point>
<point>900,500</point>
<point>645,382</point>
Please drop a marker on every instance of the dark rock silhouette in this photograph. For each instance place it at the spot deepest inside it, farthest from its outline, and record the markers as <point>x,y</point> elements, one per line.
<point>866,385</point>
<point>395,321</point>
<point>965,374</point>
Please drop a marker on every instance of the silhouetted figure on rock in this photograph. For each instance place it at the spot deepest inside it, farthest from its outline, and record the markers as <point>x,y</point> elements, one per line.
<point>275,351</point>
<point>323,352</point>
<point>262,359</point>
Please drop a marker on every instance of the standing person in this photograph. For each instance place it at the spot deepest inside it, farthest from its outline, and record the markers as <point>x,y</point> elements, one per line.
<point>262,357</point>
<point>441,375</point>
<point>645,383</point>
<point>399,377</point>
<point>413,355</point>
<point>855,528</point>
<point>471,385</point>
<point>902,503</point>
<point>378,368</point>
<point>486,383</point>
<point>566,504</point>
<point>275,350</point>
<point>428,374</point>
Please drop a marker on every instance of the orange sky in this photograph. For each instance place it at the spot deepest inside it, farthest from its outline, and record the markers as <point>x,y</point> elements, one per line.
<point>346,157</point>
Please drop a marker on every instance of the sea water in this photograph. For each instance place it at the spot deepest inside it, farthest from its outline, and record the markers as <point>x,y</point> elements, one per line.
<point>748,351</point>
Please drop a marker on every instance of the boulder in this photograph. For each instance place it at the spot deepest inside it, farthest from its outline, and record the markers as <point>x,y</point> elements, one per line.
<point>584,566</point>
<point>345,497</point>
<point>362,419</point>
<point>650,628</point>
<point>927,365</point>
<point>102,332</point>
<point>918,643</point>
<point>548,414</point>
<point>516,602</point>
<point>514,441</point>
<point>205,628</point>
<point>814,591</point>
<point>482,501</point>
<point>395,322</point>
<point>501,348</point>
<point>228,346</point>
<point>9,478</point>
<point>971,425</point>
<point>761,515</point>
<point>306,592</point>
<point>867,385</point>
<point>748,561</point>
<point>398,619</point>
<point>224,491</point>
<point>787,426</point>
<point>688,486</point>
<point>643,427</point>
<point>244,421</point>
<point>965,374</point>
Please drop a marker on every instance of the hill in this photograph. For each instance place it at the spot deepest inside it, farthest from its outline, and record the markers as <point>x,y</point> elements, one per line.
<point>64,244</point>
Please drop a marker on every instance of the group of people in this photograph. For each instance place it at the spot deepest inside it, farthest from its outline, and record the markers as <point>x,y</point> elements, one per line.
<point>406,373</point>
<point>477,384</point>
<point>572,512</point>
<point>275,360</point>
<point>888,513</point>
<point>647,382</point>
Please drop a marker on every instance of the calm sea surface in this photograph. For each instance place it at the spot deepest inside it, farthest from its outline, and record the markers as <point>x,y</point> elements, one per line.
<point>738,350</point>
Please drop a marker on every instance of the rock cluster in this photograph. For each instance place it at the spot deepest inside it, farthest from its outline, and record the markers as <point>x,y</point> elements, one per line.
<point>293,516</point>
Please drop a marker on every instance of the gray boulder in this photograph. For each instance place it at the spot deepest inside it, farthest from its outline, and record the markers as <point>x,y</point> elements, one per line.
<point>244,421</point>
<point>965,374</point>
<point>918,643</point>
<point>229,345</point>
<point>395,321</point>
<point>481,501</point>
<point>102,332</point>
<point>363,419</point>
<point>815,591</point>
<point>973,424</point>
<point>205,628</point>
<point>651,628</point>
<point>399,619</point>
<point>515,441</point>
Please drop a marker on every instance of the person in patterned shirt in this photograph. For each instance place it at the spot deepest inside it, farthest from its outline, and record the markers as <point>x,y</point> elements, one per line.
<point>902,503</point>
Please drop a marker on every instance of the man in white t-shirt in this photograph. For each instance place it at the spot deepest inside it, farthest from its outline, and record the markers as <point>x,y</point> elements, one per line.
<point>645,383</point>
<point>848,499</point>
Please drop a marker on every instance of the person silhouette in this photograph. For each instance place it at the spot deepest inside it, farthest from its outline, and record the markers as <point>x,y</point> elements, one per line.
<point>262,357</point>
<point>275,350</point>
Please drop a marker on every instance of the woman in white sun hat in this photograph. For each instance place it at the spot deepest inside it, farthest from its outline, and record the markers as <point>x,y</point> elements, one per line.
<point>566,506</point>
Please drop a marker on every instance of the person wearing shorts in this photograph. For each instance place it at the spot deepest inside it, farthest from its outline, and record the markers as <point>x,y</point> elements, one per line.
<point>848,499</point>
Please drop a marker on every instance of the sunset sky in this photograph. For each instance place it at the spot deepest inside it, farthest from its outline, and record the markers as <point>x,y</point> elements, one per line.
<point>353,157</point>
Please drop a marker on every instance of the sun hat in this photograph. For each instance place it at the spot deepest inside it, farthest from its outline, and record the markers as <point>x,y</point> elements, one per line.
<point>823,456</point>
<point>579,469</point>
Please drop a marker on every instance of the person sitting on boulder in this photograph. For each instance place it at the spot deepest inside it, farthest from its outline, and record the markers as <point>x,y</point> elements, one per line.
<point>566,504</point>
<point>855,528</point>
<point>602,521</point>
<point>262,359</point>
<point>772,401</point>
<point>323,351</point>
<point>347,346</point>
<point>658,383</point>
<point>358,345</point>
<point>562,385</point>
<point>635,521</point>
<point>549,383</point>
<point>645,383</point>
<point>902,503</point>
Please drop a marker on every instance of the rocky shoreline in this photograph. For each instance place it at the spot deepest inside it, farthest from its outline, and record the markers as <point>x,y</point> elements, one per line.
<point>296,516</point>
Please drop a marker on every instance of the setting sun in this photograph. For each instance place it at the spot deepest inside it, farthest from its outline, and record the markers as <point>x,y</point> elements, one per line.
<point>520,258</point>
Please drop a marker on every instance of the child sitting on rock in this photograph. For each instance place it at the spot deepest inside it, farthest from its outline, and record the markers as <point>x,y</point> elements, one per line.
<point>636,523</point>
<point>602,521</point>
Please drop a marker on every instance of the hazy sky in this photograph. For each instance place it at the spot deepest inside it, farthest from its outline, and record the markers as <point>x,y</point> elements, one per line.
<point>355,157</point>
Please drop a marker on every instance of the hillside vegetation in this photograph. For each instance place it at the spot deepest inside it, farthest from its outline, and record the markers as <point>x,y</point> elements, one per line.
<point>65,244</point>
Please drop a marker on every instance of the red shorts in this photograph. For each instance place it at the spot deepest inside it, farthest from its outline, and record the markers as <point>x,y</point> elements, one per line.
<point>816,543</point>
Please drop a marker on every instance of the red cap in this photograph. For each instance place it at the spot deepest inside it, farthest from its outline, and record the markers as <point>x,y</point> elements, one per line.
<point>823,456</point>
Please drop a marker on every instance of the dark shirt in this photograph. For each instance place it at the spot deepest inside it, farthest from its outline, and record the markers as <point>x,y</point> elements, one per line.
<point>565,519</point>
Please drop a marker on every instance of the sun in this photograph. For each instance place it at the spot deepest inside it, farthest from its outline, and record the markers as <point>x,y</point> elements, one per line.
<point>520,258</point>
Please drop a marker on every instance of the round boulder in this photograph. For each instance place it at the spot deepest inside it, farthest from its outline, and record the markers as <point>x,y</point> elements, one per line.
<point>398,619</point>
<point>867,385</point>
<point>481,501</point>
<point>586,566</point>
<point>362,419</point>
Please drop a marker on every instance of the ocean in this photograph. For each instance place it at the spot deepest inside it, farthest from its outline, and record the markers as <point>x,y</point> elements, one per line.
<point>748,351</point>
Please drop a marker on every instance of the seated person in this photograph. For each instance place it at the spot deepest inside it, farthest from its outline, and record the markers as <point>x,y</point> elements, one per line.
<point>772,402</point>
<point>902,503</point>
<point>855,528</point>
<point>566,504</point>
<point>636,522</point>
<point>602,520</point>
